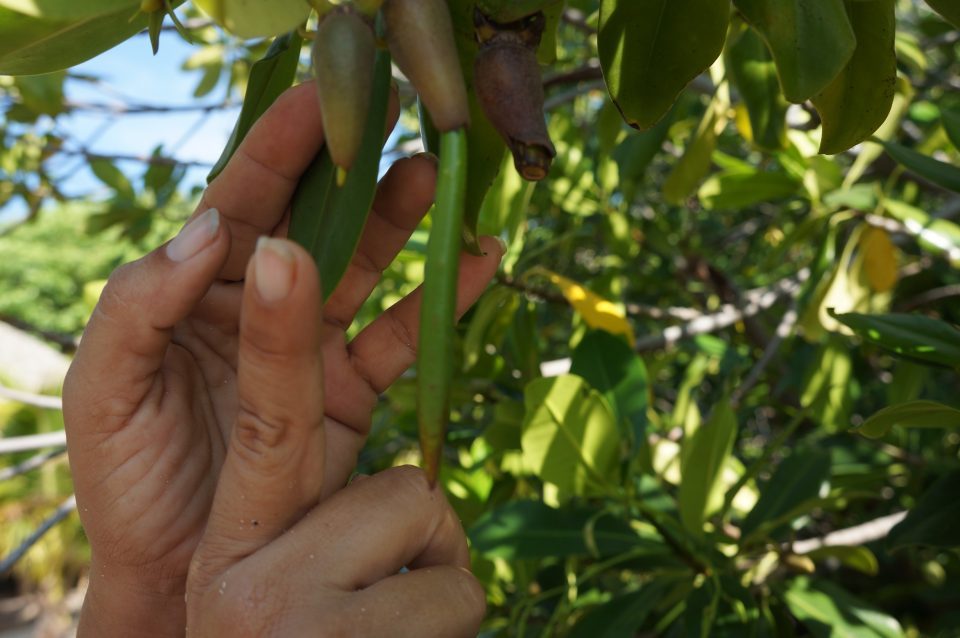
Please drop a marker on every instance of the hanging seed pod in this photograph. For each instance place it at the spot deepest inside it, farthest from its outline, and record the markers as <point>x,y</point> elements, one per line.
<point>420,37</point>
<point>510,90</point>
<point>343,57</point>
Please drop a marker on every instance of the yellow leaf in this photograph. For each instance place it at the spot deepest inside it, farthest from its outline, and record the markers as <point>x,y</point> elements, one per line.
<point>598,312</point>
<point>879,259</point>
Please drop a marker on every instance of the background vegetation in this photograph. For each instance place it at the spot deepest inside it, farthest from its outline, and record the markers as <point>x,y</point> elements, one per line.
<point>713,390</point>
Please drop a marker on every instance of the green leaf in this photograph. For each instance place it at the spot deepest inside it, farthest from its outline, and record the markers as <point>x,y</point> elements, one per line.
<point>695,162</point>
<point>634,154</point>
<point>754,73</point>
<point>254,19</point>
<point>735,191</point>
<point>914,336</point>
<point>934,520</point>
<point>950,119</point>
<point>916,414</point>
<point>624,615</point>
<point>949,9</point>
<point>31,45</point>
<point>269,77</point>
<point>107,172</point>
<point>491,320</point>
<point>855,557</point>
<point>651,50</point>
<point>521,530</point>
<point>932,170</point>
<point>829,611</point>
<point>328,219</point>
<point>857,101</point>
<point>68,9</point>
<point>705,454</point>
<point>570,438</point>
<point>797,479</point>
<point>811,41</point>
<point>611,366</point>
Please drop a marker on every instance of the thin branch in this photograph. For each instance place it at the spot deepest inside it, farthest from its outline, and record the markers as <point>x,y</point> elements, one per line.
<point>141,109</point>
<point>930,296</point>
<point>120,157</point>
<point>851,536</point>
<point>43,401</point>
<point>916,229</point>
<point>61,513</point>
<point>784,329</point>
<point>67,342</point>
<point>30,442</point>
<point>30,464</point>
<point>757,301</point>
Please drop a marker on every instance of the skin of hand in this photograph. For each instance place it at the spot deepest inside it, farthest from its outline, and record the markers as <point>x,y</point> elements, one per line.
<point>196,394</point>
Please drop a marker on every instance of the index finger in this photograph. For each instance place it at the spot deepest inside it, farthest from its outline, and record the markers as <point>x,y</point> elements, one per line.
<point>254,190</point>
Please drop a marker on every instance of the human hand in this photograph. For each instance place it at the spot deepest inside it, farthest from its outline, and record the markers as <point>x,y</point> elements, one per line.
<point>170,373</point>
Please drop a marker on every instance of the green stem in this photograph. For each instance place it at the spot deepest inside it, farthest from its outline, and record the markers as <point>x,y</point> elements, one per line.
<point>438,314</point>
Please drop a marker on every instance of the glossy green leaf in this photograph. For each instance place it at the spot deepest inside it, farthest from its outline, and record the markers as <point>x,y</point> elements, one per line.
<point>705,454</point>
<point>734,191</point>
<point>949,9</point>
<point>753,71</point>
<point>930,169</point>
<point>857,101</point>
<point>811,41</point>
<point>634,154</point>
<point>570,438</point>
<point>940,236</point>
<point>855,557</point>
<point>328,219</point>
<point>610,365</point>
<point>797,479</point>
<point>256,18</point>
<point>934,520</point>
<point>624,615</point>
<point>914,336</point>
<point>270,76</point>
<point>828,611</point>
<point>651,49</point>
<point>530,529</point>
<point>30,45</point>
<point>915,414</point>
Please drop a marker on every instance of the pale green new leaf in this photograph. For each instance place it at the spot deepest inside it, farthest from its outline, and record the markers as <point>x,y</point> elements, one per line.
<point>702,462</point>
<point>828,611</point>
<point>570,438</point>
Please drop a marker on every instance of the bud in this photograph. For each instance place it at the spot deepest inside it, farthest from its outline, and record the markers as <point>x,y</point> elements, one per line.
<point>343,57</point>
<point>420,37</point>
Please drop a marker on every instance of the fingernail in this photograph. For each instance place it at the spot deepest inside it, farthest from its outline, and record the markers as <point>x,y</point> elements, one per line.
<point>427,155</point>
<point>195,236</point>
<point>502,244</point>
<point>273,264</point>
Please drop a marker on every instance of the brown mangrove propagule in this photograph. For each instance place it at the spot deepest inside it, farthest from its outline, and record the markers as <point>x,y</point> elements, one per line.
<point>420,37</point>
<point>343,58</point>
<point>510,90</point>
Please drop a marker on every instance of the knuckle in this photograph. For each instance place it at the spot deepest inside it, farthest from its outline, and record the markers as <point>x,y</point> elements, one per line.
<point>260,439</point>
<point>409,481</point>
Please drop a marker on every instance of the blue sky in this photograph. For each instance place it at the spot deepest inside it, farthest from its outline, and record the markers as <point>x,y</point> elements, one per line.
<point>130,70</point>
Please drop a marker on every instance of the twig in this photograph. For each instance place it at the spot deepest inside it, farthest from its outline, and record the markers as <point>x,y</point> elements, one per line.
<point>145,109</point>
<point>727,315</point>
<point>32,463</point>
<point>784,328</point>
<point>33,442</point>
<point>916,229</point>
<point>28,398</point>
<point>120,157</point>
<point>851,536</point>
<point>61,513</point>
<point>930,296</point>
<point>67,342</point>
